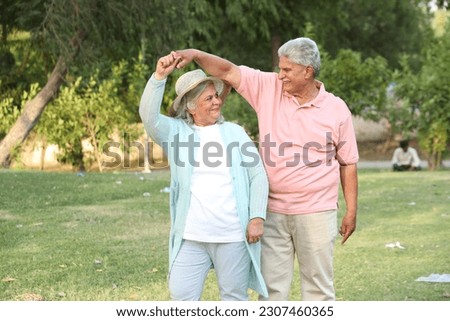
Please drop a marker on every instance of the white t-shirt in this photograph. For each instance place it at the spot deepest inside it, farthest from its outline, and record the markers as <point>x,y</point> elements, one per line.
<point>409,157</point>
<point>212,215</point>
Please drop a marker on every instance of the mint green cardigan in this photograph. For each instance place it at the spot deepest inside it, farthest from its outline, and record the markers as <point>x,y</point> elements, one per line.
<point>250,182</point>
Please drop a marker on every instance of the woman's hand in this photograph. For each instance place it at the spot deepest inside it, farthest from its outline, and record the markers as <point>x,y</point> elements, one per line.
<point>185,56</point>
<point>255,229</point>
<point>166,65</point>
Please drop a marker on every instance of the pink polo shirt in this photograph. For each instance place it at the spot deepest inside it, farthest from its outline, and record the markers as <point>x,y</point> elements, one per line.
<point>302,146</point>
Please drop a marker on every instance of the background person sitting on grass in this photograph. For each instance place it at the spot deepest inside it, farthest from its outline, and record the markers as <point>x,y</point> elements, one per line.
<point>405,158</point>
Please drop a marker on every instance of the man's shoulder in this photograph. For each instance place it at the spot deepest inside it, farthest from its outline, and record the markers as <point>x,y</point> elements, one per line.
<point>330,99</point>
<point>252,72</point>
<point>336,100</point>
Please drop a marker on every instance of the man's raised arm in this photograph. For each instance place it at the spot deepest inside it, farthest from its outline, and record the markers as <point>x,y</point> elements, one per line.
<point>211,64</point>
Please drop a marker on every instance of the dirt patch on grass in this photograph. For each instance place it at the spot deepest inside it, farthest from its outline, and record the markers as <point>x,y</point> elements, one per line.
<point>4,215</point>
<point>29,297</point>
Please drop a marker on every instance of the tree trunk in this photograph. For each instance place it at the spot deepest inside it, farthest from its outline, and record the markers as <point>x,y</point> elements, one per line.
<point>31,113</point>
<point>434,160</point>
<point>43,150</point>
<point>146,153</point>
<point>97,155</point>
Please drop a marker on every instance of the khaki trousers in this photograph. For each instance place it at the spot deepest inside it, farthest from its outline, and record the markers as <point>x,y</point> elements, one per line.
<point>311,238</point>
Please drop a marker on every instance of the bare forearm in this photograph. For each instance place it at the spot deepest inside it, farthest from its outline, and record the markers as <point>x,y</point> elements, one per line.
<point>212,64</point>
<point>215,65</point>
<point>349,182</point>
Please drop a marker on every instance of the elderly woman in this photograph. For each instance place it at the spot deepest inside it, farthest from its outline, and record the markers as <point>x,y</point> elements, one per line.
<point>218,187</point>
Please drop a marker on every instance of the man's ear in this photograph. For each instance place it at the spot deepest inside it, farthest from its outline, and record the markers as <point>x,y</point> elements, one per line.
<point>309,72</point>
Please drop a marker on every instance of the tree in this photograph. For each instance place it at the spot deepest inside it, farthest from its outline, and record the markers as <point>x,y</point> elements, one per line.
<point>380,28</point>
<point>361,83</point>
<point>83,32</point>
<point>92,110</point>
<point>31,113</point>
<point>360,42</point>
<point>426,97</point>
<point>256,28</point>
<point>83,35</point>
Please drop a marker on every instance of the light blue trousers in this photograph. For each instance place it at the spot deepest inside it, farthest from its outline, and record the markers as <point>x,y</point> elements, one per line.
<point>231,262</point>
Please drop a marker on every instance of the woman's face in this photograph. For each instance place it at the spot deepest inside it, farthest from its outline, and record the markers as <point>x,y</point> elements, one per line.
<point>208,107</point>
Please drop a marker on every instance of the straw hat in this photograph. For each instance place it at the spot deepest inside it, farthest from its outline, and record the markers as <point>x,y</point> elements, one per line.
<point>189,81</point>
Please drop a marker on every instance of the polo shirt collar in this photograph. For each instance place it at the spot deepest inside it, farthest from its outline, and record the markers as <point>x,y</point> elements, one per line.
<point>318,101</point>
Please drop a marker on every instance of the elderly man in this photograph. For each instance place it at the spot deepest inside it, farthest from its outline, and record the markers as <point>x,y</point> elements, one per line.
<point>308,145</point>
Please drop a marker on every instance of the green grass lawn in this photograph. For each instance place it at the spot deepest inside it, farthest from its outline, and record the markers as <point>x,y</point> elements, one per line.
<point>104,237</point>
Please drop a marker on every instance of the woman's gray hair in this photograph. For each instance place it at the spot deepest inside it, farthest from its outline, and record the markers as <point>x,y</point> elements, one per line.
<point>189,102</point>
<point>302,51</point>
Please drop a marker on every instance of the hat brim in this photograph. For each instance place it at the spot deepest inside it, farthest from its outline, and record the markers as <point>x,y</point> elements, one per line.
<point>218,84</point>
